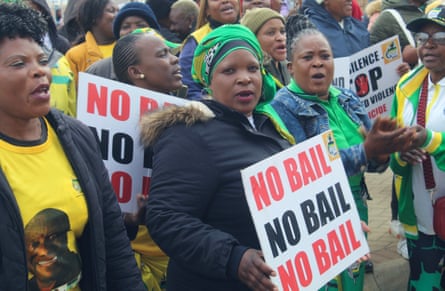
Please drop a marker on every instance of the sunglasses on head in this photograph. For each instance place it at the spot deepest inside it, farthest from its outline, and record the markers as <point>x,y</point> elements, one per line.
<point>422,37</point>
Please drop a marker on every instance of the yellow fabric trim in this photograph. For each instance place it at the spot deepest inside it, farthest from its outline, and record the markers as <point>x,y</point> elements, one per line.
<point>410,230</point>
<point>153,271</point>
<point>144,244</point>
<point>199,34</point>
<point>398,185</point>
<point>435,95</point>
<point>400,161</point>
<point>436,140</point>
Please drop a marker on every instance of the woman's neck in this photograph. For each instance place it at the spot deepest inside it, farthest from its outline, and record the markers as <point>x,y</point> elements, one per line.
<point>214,24</point>
<point>23,130</point>
<point>101,39</point>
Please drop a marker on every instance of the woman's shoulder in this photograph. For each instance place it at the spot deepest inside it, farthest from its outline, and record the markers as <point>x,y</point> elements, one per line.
<point>76,51</point>
<point>347,96</point>
<point>154,123</point>
<point>287,97</point>
<point>58,119</point>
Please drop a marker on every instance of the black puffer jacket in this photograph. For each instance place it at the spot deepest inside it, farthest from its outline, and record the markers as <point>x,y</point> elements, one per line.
<point>197,211</point>
<point>107,259</point>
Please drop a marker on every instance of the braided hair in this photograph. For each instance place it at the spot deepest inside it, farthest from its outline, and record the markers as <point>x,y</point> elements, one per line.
<point>295,24</point>
<point>19,21</point>
<point>125,55</point>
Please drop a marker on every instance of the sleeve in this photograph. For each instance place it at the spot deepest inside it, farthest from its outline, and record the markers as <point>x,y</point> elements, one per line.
<point>184,180</point>
<point>105,216</point>
<point>72,92</point>
<point>94,68</point>
<point>122,272</point>
<point>72,64</point>
<point>387,26</point>
<point>396,164</point>
<point>185,61</point>
<point>354,158</point>
<point>435,146</point>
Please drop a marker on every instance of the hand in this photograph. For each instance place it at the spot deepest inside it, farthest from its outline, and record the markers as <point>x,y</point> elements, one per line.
<point>403,68</point>
<point>366,229</point>
<point>254,272</point>
<point>419,136</point>
<point>141,202</point>
<point>385,138</point>
<point>414,156</point>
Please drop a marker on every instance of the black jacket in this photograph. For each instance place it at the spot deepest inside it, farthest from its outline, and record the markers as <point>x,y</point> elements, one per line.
<point>197,212</point>
<point>107,259</point>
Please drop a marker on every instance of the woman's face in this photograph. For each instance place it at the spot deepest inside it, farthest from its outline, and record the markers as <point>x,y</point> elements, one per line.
<point>236,82</point>
<point>339,9</point>
<point>131,23</point>
<point>105,22</point>
<point>160,68</point>
<point>272,38</point>
<point>432,54</point>
<point>312,65</point>
<point>223,11</point>
<point>24,80</point>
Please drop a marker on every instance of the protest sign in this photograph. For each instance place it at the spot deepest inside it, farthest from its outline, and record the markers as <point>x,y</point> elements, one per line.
<point>373,75</point>
<point>341,73</point>
<point>304,214</point>
<point>112,110</point>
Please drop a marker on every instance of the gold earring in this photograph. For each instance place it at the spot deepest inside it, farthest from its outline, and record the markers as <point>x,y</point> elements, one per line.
<point>141,76</point>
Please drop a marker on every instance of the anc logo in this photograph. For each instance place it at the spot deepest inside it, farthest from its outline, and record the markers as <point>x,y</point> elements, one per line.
<point>76,185</point>
<point>329,142</point>
<point>391,51</point>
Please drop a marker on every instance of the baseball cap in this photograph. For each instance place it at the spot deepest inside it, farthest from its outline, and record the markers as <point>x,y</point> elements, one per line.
<point>436,15</point>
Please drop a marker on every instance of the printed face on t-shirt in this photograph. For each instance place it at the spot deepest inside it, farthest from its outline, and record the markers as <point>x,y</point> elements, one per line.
<point>49,258</point>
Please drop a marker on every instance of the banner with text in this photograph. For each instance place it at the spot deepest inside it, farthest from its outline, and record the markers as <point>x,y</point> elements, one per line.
<point>112,110</point>
<point>372,75</point>
<point>304,214</point>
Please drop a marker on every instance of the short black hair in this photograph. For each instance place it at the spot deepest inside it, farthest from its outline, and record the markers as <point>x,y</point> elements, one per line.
<point>90,11</point>
<point>19,21</point>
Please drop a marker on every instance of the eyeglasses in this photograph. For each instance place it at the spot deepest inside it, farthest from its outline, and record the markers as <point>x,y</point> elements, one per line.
<point>422,37</point>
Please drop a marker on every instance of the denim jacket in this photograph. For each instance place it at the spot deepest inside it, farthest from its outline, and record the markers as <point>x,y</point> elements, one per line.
<point>305,119</point>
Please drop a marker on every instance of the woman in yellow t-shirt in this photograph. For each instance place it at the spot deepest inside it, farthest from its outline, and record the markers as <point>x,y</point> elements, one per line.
<point>61,225</point>
<point>96,18</point>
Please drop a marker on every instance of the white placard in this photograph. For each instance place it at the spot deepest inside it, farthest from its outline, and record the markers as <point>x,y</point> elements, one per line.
<point>304,213</point>
<point>112,110</point>
<point>373,75</point>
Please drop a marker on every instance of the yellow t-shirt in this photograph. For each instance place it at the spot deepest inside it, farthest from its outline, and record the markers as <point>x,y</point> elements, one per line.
<point>107,50</point>
<point>52,206</point>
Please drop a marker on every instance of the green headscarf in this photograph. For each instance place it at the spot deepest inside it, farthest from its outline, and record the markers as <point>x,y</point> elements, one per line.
<point>218,44</point>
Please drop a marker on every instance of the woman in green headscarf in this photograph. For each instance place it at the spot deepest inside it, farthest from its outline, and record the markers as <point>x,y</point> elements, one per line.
<point>196,210</point>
